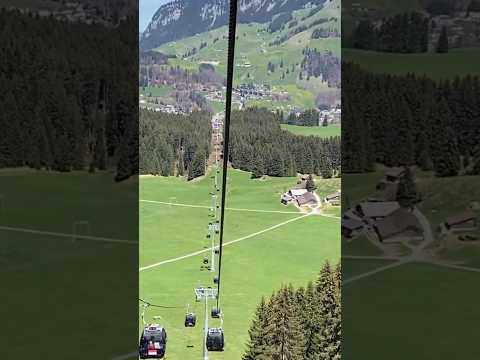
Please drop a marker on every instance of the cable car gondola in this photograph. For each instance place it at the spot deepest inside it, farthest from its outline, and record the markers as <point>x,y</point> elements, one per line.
<point>215,280</point>
<point>215,339</point>
<point>205,260</point>
<point>216,313</point>
<point>153,342</point>
<point>190,320</point>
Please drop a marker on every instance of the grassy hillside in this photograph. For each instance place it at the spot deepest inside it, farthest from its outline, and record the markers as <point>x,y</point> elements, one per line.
<point>435,66</point>
<point>413,299</point>
<point>46,272</point>
<point>252,268</point>
<point>254,50</point>
<point>332,130</point>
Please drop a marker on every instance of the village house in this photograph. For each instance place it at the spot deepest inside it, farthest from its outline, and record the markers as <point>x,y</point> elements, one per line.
<point>377,210</point>
<point>399,224</point>
<point>351,227</point>
<point>307,198</point>
<point>334,199</point>
<point>297,192</point>
<point>351,214</point>
<point>461,222</point>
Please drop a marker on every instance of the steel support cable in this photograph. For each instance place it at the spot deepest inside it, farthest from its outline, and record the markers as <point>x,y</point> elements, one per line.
<point>160,306</point>
<point>226,129</point>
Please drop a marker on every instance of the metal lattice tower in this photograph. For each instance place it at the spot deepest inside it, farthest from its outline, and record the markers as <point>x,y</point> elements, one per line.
<point>203,293</point>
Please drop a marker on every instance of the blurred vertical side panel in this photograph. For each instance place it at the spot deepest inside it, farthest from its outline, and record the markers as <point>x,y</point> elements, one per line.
<point>411,189</point>
<point>68,179</point>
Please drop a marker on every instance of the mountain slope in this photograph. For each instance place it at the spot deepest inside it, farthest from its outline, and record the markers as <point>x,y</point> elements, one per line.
<point>182,18</point>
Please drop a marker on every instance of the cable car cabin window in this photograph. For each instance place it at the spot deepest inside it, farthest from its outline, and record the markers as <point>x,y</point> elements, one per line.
<point>215,339</point>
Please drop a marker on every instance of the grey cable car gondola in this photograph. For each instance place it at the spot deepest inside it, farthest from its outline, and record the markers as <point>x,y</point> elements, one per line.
<point>215,339</point>
<point>217,251</point>
<point>215,280</point>
<point>216,313</point>
<point>205,260</point>
<point>190,320</point>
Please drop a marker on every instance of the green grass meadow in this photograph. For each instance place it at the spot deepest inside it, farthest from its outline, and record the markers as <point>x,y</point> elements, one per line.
<point>322,131</point>
<point>47,271</point>
<point>251,268</point>
<point>433,65</point>
<point>420,304</point>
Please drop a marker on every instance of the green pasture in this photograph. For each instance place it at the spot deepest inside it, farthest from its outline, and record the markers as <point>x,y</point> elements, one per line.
<point>419,304</point>
<point>457,62</point>
<point>322,131</point>
<point>252,268</point>
<point>48,271</point>
<point>254,51</point>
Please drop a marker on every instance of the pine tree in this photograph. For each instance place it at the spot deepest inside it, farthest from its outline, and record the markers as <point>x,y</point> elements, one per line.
<point>407,192</point>
<point>257,347</point>
<point>284,333</point>
<point>258,169</point>
<point>442,45</point>
<point>310,184</point>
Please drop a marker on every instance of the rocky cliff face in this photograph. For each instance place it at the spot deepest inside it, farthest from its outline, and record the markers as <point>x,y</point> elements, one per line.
<point>182,18</point>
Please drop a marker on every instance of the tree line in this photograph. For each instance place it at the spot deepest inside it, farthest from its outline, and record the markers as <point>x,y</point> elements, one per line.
<point>410,120</point>
<point>299,324</point>
<point>325,65</point>
<point>402,33</point>
<point>69,100</point>
<point>174,145</point>
<point>259,145</point>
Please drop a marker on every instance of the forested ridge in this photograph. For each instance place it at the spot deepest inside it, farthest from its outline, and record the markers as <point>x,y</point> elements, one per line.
<point>174,145</point>
<point>410,119</point>
<point>178,145</point>
<point>260,146</point>
<point>402,33</point>
<point>299,324</point>
<point>70,95</point>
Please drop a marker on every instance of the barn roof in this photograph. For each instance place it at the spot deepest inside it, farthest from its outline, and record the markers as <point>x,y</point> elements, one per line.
<point>351,224</point>
<point>398,222</point>
<point>306,198</point>
<point>395,171</point>
<point>460,218</point>
<point>298,192</point>
<point>379,209</point>
<point>333,196</point>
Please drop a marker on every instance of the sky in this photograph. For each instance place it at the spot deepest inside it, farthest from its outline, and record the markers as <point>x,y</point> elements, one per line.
<point>147,8</point>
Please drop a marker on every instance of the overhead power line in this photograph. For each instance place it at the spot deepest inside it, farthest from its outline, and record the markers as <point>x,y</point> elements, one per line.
<point>226,130</point>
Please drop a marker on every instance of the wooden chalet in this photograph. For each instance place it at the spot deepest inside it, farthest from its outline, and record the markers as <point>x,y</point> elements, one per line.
<point>351,227</point>
<point>306,199</point>
<point>399,224</point>
<point>462,222</point>
<point>377,210</point>
<point>334,199</point>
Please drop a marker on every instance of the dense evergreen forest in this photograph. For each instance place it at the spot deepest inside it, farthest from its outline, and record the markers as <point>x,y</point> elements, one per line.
<point>174,145</point>
<point>325,65</point>
<point>69,95</point>
<point>260,146</point>
<point>402,33</point>
<point>406,120</point>
<point>178,145</point>
<point>302,324</point>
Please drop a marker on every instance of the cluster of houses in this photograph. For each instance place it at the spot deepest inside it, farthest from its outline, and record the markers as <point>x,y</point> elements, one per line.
<point>381,215</point>
<point>333,116</point>
<point>246,92</point>
<point>88,13</point>
<point>299,195</point>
